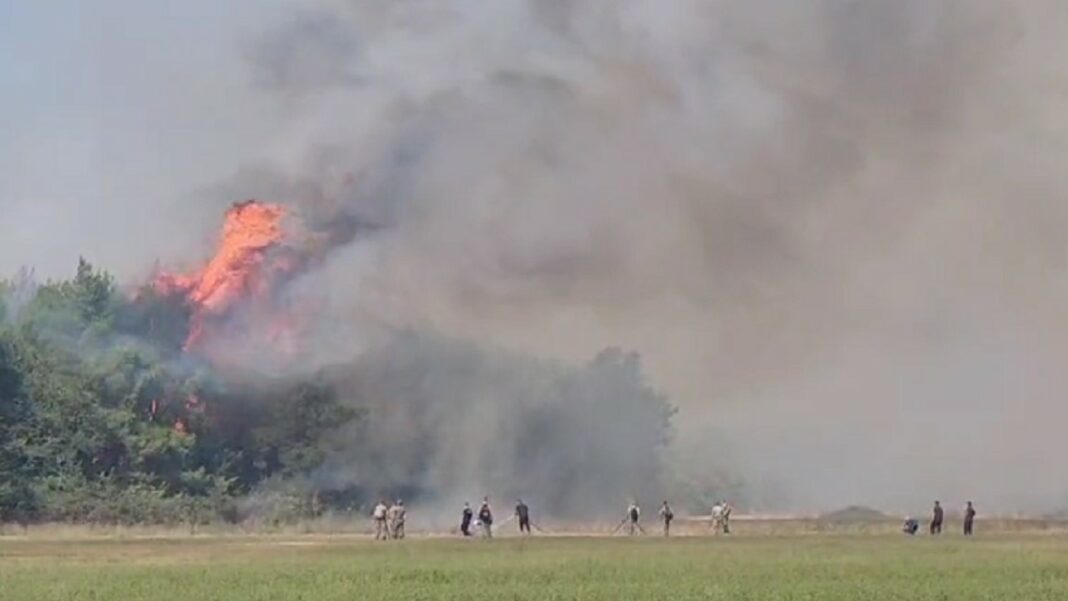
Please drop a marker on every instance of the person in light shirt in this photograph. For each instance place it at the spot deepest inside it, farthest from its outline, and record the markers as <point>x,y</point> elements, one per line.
<point>379,516</point>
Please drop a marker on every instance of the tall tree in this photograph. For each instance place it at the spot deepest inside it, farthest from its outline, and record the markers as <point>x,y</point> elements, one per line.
<point>17,500</point>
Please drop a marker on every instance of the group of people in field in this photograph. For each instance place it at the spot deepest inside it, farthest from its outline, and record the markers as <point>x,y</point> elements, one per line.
<point>720,523</point>
<point>912,525</point>
<point>485,518</point>
<point>389,521</point>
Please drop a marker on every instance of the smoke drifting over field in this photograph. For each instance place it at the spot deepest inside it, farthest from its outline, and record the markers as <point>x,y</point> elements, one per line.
<point>834,230</point>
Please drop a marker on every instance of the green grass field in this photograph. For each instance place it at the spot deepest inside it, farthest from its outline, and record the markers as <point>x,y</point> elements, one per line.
<point>824,567</point>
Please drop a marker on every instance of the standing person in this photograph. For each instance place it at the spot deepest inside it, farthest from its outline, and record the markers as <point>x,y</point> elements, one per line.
<point>379,515</point>
<point>969,519</point>
<point>634,514</point>
<point>391,517</point>
<point>485,518</point>
<point>397,515</point>
<point>522,513</point>
<point>726,516</point>
<point>717,518</point>
<point>465,519</point>
<point>936,519</point>
<point>666,515</point>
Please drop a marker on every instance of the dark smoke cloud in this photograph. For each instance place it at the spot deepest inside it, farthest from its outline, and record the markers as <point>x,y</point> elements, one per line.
<point>832,228</point>
<point>811,216</point>
<point>448,419</point>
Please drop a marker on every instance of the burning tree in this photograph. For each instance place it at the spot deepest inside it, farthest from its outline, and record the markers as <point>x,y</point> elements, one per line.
<point>254,257</point>
<point>123,407</point>
<point>107,413</point>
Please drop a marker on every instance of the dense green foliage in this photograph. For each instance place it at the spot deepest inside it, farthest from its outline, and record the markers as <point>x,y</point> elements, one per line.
<point>810,567</point>
<point>104,419</point>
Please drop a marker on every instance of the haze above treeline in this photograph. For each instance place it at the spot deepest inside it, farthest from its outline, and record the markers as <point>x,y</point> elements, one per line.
<point>832,230</point>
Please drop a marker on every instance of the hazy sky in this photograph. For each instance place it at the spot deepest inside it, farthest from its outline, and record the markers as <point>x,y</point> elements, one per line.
<point>835,230</point>
<point>111,110</point>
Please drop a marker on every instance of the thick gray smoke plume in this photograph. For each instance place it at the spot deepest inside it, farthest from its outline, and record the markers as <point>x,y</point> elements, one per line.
<point>834,229</point>
<point>448,420</point>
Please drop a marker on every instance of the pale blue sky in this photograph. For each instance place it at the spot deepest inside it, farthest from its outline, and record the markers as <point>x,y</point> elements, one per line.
<point>112,113</point>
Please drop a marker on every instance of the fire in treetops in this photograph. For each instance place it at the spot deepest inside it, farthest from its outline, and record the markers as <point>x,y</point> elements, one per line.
<point>258,250</point>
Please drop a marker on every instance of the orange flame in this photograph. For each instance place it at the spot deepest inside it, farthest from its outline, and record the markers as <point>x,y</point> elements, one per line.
<point>244,266</point>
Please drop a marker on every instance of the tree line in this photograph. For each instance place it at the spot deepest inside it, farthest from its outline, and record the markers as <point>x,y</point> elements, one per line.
<point>104,419</point>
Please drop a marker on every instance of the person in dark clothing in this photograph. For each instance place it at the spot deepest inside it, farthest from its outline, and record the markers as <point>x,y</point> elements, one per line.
<point>465,520</point>
<point>485,518</point>
<point>634,514</point>
<point>936,519</point>
<point>522,513</point>
<point>969,519</point>
<point>912,525</point>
